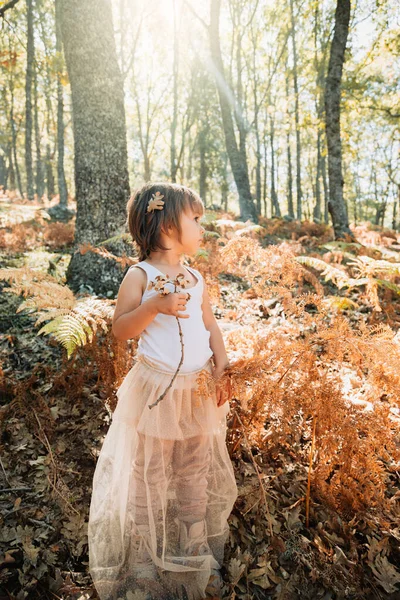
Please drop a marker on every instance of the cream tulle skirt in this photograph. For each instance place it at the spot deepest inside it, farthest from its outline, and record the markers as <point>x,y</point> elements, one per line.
<point>159,467</point>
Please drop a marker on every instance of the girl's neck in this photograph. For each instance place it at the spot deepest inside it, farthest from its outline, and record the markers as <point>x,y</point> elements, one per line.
<point>172,262</point>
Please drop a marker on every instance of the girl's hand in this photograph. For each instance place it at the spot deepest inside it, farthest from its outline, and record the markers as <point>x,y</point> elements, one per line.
<point>223,388</point>
<point>172,304</point>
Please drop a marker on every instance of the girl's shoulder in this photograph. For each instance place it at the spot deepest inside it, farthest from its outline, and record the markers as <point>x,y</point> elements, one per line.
<point>140,273</point>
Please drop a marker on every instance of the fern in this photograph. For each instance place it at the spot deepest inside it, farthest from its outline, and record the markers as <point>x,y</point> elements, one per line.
<point>73,323</point>
<point>389,285</point>
<point>77,327</point>
<point>337,276</point>
<point>42,290</point>
<point>343,246</point>
<point>370,267</point>
<point>340,303</point>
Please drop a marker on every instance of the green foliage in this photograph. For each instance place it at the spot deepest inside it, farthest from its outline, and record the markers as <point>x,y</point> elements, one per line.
<point>77,327</point>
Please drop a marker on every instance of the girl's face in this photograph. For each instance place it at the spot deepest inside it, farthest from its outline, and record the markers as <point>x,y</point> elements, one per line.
<point>192,231</point>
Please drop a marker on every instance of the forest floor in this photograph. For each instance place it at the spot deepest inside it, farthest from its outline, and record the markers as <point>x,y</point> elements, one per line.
<point>54,414</point>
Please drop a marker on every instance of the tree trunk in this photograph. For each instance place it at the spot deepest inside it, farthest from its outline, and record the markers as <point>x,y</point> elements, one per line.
<point>203,165</point>
<point>325,186</point>
<point>289,159</point>
<point>224,184</point>
<point>14,130</point>
<point>174,123</point>
<point>236,157</point>
<point>275,208</point>
<point>39,163</point>
<point>101,172</point>
<point>396,204</point>
<point>317,205</point>
<point>30,57</point>
<point>3,172</point>
<point>10,181</point>
<point>258,141</point>
<point>265,174</point>
<point>336,204</point>
<point>62,183</point>
<point>297,116</point>
<point>319,69</point>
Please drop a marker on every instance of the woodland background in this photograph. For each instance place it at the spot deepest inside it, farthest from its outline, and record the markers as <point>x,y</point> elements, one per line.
<point>285,118</point>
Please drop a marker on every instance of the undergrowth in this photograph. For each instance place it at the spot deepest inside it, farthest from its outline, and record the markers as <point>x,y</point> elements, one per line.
<point>313,379</point>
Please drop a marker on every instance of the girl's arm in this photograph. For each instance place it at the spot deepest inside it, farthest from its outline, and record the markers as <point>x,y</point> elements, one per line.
<point>216,340</point>
<point>221,361</point>
<point>130,317</point>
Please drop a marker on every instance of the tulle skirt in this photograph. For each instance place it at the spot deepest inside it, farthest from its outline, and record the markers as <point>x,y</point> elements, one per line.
<point>160,467</point>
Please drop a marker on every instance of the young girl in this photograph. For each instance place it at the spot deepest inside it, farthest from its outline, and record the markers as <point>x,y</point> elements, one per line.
<point>164,485</point>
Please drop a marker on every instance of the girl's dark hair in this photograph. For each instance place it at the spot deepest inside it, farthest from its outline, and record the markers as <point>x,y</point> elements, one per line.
<point>145,227</point>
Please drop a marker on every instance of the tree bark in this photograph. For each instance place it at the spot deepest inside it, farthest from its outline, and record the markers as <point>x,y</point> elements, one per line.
<point>319,69</point>
<point>336,204</point>
<point>236,158</point>
<point>297,117</point>
<point>256,127</point>
<point>275,208</point>
<point>289,158</point>
<point>30,57</point>
<point>13,127</point>
<point>62,183</point>
<point>203,165</point>
<point>39,162</point>
<point>48,167</point>
<point>325,186</point>
<point>101,172</point>
<point>317,205</point>
<point>174,122</point>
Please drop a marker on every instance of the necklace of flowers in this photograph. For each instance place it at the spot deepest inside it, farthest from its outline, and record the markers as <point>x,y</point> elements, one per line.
<point>159,285</point>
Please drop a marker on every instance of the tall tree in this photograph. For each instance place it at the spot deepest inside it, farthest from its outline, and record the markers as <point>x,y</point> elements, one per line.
<point>289,157</point>
<point>49,177</point>
<point>62,183</point>
<point>299,192</point>
<point>175,75</point>
<point>39,163</point>
<point>100,160</point>
<point>336,204</point>
<point>237,156</point>
<point>13,124</point>
<point>30,57</point>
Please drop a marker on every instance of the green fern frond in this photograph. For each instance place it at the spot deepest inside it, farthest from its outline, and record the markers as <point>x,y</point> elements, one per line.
<point>340,303</point>
<point>211,234</point>
<point>389,285</point>
<point>77,327</point>
<point>343,246</point>
<point>115,238</point>
<point>202,253</point>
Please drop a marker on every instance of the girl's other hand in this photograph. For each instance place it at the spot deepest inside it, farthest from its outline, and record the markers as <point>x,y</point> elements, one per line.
<point>223,388</point>
<point>172,304</point>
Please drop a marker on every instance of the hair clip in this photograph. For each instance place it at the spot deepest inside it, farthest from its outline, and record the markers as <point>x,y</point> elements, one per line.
<point>156,202</point>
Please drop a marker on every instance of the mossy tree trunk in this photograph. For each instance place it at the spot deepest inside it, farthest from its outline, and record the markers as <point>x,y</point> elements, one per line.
<point>336,204</point>
<point>30,57</point>
<point>101,172</point>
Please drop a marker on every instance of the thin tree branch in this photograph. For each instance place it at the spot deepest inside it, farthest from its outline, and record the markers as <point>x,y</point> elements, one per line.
<point>9,4</point>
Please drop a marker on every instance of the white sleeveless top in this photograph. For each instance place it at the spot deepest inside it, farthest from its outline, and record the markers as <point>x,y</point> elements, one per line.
<point>160,340</point>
